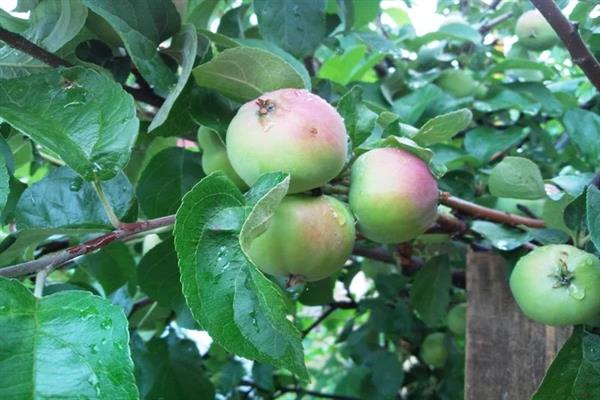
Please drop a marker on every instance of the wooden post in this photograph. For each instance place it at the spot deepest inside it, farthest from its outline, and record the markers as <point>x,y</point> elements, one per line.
<point>506,353</point>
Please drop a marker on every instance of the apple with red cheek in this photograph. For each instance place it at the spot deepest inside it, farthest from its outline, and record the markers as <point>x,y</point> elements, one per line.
<point>289,130</point>
<point>393,195</point>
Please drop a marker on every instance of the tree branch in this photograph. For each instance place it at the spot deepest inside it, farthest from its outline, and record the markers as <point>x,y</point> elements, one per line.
<point>298,390</point>
<point>55,260</point>
<point>336,305</point>
<point>489,25</point>
<point>488,213</point>
<point>569,35</point>
<point>20,43</point>
<point>318,321</point>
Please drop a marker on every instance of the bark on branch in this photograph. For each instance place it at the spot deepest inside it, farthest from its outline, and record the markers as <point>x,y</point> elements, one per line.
<point>476,210</point>
<point>569,35</point>
<point>62,257</point>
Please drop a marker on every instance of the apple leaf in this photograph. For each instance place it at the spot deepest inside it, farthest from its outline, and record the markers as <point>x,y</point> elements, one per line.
<point>240,308</point>
<point>70,344</point>
<point>81,115</point>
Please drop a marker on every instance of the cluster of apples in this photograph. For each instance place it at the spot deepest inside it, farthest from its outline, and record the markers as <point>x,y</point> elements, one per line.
<point>392,196</point>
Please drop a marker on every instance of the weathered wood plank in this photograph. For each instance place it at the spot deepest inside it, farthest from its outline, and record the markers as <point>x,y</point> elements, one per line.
<point>507,354</point>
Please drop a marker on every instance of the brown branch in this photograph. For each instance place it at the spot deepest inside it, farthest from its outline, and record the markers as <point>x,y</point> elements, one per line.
<point>494,4</point>
<point>488,213</point>
<point>374,253</point>
<point>318,321</point>
<point>20,43</point>
<point>569,35</point>
<point>55,260</point>
<point>299,390</point>
<point>336,305</point>
<point>489,25</point>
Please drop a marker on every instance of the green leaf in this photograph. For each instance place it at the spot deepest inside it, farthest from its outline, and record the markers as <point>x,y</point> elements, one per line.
<point>158,275</point>
<point>430,292</point>
<point>483,142</point>
<point>575,213</point>
<point>387,373</point>
<point>296,27</point>
<point>240,308</point>
<point>4,183</point>
<point>272,48</point>
<point>199,12</point>
<point>593,214</point>
<point>168,176</point>
<point>186,41</point>
<point>459,32</point>
<point>143,25</point>
<point>170,368</point>
<point>51,25</point>
<point>318,293</point>
<point>518,178</point>
<point>583,128</point>
<point>63,200</point>
<point>537,91</point>
<point>443,127</point>
<point>221,41</point>
<point>246,73</point>
<point>507,99</point>
<point>359,120</point>
<point>81,115</point>
<point>409,145</point>
<point>21,244</point>
<point>574,373</point>
<point>510,64</point>
<point>263,198</point>
<point>502,238</point>
<point>350,66</point>
<point>234,22</point>
<point>112,266</point>
<point>212,110</point>
<point>82,335</point>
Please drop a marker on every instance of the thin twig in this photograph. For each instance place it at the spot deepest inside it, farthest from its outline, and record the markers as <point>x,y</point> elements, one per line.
<point>63,257</point>
<point>318,321</point>
<point>298,390</point>
<point>494,4</point>
<point>569,35</point>
<point>18,42</point>
<point>491,24</point>
<point>488,213</point>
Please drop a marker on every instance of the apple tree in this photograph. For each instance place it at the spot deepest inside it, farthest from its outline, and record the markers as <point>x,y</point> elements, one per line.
<point>276,199</point>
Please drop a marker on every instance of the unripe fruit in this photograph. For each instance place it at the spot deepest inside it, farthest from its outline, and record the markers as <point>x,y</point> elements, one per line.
<point>457,318</point>
<point>557,285</point>
<point>433,350</point>
<point>534,32</point>
<point>308,238</point>
<point>393,195</point>
<point>289,130</point>
<point>214,156</point>
<point>458,83</point>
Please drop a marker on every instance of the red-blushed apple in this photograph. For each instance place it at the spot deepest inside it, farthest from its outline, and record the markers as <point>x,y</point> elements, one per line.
<point>288,130</point>
<point>393,195</point>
